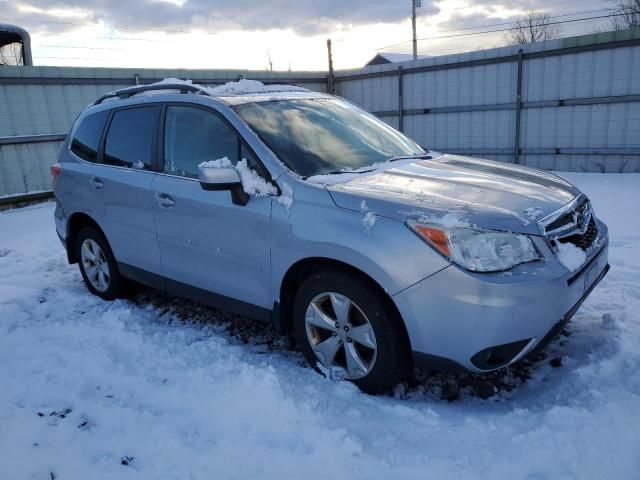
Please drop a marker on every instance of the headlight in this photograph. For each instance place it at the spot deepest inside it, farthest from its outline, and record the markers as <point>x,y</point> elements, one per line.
<point>476,249</point>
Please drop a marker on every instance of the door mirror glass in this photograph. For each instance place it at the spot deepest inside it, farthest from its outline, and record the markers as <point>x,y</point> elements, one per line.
<point>223,179</point>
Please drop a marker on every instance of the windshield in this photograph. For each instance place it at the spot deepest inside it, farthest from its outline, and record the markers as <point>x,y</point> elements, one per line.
<point>320,136</point>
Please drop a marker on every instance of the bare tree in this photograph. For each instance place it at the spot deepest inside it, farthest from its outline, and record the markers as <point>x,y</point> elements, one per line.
<point>269,61</point>
<point>532,27</point>
<point>627,15</point>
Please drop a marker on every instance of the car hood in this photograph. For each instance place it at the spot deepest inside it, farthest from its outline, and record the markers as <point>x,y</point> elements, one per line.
<point>478,192</point>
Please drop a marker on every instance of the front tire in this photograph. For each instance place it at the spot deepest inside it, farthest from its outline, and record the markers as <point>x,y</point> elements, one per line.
<point>344,322</point>
<point>97,265</point>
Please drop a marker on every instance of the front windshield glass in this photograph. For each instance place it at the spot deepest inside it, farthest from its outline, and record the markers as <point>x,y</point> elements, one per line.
<point>320,136</point>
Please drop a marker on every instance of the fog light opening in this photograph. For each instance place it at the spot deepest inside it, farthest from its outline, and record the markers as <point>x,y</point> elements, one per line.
<point>501,355</point>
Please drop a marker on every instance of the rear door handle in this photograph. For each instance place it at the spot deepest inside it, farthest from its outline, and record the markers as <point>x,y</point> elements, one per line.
<point>96,183</point>
<point>164,200</point>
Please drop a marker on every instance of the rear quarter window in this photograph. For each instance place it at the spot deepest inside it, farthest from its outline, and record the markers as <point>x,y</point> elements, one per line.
<point>86,138</point>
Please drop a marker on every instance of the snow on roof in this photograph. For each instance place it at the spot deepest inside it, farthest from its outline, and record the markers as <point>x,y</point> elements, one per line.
<point>240,87</point>
<point>244,86</point>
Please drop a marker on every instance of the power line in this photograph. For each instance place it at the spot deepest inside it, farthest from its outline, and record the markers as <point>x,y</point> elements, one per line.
<point>82,47</point>
<point>599,10</point>
<point>122,38</point>
<point>116,27</point>
<point>161,29</point>
<point>529,7</point>
<point>181,31</point>
<point>132,39</point>
<point>75,58</point>
<point>499,30</point>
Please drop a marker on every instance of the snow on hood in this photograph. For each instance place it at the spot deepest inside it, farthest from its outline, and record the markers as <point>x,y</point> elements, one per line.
<point>477,192</point>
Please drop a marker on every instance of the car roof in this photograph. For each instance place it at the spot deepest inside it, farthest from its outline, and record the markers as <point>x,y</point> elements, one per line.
<point>231,93</point>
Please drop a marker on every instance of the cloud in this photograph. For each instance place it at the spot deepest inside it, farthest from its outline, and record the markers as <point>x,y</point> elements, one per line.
<point>488,15</point>
<point>305,17</point>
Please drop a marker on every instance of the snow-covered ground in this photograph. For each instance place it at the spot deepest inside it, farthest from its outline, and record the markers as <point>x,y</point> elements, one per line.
<point>158,388</point>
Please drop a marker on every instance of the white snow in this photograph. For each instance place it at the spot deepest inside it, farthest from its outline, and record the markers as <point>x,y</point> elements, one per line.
<point>348,174</point>
<point>448,220</point>
<point>533,213</point>
<point>368,217</point>
<point>187,399</point>
<point>332,179</point>
<point>166,81</point>
<point>240,87</point>
<point>245,86</point>
<point>286,197</point>
<point>570,256</point>
<point>223,162</point>
<point>252,183</point>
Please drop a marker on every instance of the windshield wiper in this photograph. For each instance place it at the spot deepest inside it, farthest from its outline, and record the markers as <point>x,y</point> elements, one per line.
<point>336,172</point>
<point>422,156</point>
<point>339,172</point>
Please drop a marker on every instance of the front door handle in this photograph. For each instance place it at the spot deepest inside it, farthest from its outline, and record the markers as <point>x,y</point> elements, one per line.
<point>96,183</point>
<point>164,200</point>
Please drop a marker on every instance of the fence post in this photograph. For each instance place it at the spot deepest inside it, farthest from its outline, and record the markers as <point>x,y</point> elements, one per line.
<point>400,102</point>
<point>516,140</point>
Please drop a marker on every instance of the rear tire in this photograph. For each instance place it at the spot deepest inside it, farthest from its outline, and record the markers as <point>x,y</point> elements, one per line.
<point>97,265</point>
<point>372,351</point>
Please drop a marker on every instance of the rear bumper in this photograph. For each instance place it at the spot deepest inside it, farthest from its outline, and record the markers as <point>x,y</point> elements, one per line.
<point>61,227</point>
<point>457,320</point>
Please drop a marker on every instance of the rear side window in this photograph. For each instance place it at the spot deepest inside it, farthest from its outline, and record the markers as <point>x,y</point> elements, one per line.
<point>192,136</point>
<point>131,137</point>
<point>86,138</point>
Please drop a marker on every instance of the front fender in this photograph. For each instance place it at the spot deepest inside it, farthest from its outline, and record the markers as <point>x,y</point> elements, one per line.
<point>387,251</point>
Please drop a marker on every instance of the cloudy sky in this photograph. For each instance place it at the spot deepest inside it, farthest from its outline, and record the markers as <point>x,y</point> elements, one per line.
<point>243,33</point>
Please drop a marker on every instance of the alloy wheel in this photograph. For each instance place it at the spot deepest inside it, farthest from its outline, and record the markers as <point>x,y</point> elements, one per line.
<point>94,263</point>
<point>340,334</point>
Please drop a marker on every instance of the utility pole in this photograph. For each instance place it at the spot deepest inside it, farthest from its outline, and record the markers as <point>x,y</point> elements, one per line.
<point>413,26</point>
<point>330,86</point>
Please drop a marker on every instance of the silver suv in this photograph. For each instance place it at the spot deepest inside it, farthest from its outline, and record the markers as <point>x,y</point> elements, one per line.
<point>301,209</point>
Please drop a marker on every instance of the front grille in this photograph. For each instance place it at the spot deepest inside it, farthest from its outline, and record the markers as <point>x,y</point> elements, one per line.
<point>570,218</point>
<point>585,240</point>
<point>560,222</point>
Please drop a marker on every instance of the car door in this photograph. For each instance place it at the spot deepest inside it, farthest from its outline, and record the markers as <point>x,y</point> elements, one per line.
<point>118,191</point>
<point>206,241</point>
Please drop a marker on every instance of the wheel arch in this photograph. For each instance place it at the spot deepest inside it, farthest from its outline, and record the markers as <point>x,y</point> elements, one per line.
<point>77,222</point>
<point>301,269</point>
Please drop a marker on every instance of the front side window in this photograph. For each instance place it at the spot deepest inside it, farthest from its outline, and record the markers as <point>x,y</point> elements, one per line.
<point>192,136</point>
<point>86,138</point>
<point>131,136</point>
<point>319,136</point>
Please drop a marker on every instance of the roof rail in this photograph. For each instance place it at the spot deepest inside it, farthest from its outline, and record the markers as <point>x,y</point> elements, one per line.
<point>131,91</point>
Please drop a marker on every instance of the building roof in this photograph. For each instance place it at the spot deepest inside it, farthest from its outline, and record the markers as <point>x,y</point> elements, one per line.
<point>391,57</point>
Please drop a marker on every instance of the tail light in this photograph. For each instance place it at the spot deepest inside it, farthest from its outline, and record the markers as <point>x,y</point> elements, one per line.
<point>56,171</point>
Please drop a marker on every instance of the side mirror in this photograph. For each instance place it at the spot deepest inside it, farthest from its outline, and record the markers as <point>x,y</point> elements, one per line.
<point>223,179</point>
